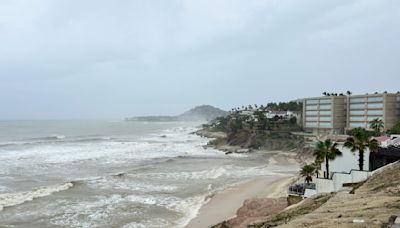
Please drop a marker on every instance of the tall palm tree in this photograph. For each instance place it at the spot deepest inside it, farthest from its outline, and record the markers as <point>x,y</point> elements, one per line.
<point>377,125</point>
<point>326,150</point>
<point>361,141</point>
<point>307,171</point>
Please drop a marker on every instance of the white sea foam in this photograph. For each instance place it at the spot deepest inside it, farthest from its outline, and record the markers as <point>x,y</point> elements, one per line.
<point>188,208</point>
<point>86,213</point>
<point>112,183</point>
<point>12,199</point>
<point>196,175</point>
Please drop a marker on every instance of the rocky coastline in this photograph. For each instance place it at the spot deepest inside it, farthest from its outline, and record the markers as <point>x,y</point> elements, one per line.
<point>254,209</point>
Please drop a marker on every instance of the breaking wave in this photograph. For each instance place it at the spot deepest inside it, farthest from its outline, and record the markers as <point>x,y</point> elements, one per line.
<point>13,199</point>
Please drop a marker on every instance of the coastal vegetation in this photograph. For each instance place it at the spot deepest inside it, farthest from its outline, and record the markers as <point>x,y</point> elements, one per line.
<point>377,125</point>
<point>266,127</point>
<point>326,150</point>
<point>360,141</point>
<point>307,171</point>
<point>395,129</point>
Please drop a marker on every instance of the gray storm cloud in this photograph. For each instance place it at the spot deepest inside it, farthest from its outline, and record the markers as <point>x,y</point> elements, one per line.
<point>110,59</point>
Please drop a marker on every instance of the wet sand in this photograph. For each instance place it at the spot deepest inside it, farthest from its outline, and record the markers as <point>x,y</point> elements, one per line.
<point>225,204</point>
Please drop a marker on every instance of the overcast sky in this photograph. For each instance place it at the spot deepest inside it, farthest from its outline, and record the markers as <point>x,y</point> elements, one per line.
<point>74,59</point>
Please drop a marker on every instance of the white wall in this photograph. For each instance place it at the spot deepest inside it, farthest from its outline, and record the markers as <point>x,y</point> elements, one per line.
<point>309,192</point>
<point>324,185</point>
<point>347,161</point>
<point>339,179</point>
<point>336,183</point>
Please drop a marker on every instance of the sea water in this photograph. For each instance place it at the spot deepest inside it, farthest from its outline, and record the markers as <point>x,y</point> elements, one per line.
<point>113,174</point>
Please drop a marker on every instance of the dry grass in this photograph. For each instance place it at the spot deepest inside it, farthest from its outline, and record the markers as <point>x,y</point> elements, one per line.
<point>374,202</point>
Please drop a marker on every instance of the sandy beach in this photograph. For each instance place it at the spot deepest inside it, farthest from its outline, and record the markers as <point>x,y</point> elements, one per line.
<point>225,204</point>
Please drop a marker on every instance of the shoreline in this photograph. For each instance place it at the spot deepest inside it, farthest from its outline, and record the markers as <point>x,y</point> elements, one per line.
<point>225,204</point>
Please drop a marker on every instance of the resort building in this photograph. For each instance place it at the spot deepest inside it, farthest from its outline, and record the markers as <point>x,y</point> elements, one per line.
<point>362,109</point>
<point>324,115</point>
<point>335,114</point>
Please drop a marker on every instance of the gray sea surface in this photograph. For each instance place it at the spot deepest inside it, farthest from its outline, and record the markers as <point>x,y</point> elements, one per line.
<point>113,174</point>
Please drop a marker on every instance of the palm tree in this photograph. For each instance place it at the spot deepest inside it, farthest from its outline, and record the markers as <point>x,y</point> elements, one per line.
<point>360,141</point>
<point>319,159</point>
<point>307,171</point>
<point>377,125</point>
<point>326,150</point>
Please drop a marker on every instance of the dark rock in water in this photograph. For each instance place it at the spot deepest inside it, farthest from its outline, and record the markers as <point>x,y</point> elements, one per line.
<point>119,175</point>
<point>163,136</point>
<point>229,152</point>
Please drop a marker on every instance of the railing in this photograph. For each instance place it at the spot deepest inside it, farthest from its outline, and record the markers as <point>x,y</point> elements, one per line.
<point>395,142</point>
<point>299,189</point>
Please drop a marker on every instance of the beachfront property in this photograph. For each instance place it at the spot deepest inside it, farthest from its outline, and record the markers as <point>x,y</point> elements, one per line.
<point>362,109</point>
<point>283,114</point>
<point>344,170</point>
<point>324,115</point>
<point>335,114</point>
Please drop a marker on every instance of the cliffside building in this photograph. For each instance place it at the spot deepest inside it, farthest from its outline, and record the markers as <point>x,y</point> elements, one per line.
<point>335,114</point>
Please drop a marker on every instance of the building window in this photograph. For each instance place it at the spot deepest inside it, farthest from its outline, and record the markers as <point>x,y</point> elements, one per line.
<point>325,107</point>
<point>375,112</point>
<point>325,113</point>
<point>312,107</point>
<point>357,100</point>
<point>312,102</point>
<point>311,118</point>
<point>357,112</point>
<point>312,113</point>
<point>325,118</point>
<point>357,118</point>
<point>357,106</point>
<point>375,99</point>
<point>325,101</point>
<point>378,105</point>
<point>311,124</point>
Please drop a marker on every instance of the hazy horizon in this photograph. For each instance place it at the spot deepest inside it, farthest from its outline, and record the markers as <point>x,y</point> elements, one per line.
<point>110,60</point>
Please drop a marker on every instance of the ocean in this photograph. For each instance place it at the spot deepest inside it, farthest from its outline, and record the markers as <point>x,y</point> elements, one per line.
<point>113,174</point>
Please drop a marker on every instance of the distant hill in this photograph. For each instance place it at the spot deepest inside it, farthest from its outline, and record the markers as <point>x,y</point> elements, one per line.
<point>199,113</point>
<point>203,112</point>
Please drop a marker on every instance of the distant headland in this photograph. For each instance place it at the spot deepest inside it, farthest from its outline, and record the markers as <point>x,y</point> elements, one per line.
<point>199,113</point>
